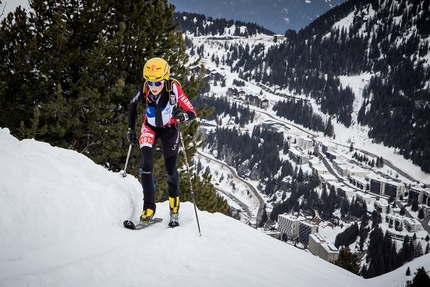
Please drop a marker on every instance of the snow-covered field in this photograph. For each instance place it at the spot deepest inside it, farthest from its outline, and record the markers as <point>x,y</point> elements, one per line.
<point>355,133</point>
<point>61,225</point>
<point>61,222</point>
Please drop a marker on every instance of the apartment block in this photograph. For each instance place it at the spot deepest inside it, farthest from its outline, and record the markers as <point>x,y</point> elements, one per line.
<point>296,228</point>
<point>289,225</point>
<point>319,247</point>
<point>419,194</point>
<point>384,186</point>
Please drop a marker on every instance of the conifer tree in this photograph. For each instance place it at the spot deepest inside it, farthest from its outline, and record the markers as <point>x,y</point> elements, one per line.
<point>71,67</point>
<point>75,65</point>
<point>421,214</point>
<point>264,218</point>
<point>421,278</point>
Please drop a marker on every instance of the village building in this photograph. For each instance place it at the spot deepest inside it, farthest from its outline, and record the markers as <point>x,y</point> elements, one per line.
<point>321,248</point>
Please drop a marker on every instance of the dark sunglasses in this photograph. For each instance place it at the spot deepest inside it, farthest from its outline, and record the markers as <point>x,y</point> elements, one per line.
<point>157,84</point>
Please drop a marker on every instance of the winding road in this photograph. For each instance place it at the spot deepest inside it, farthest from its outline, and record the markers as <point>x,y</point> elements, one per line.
<point>252,189</point>
<point>285,123</point>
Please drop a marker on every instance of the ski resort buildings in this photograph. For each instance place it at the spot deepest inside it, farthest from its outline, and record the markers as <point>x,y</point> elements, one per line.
<point>319,247</point>
<point>296,228</point>
<point>299,229</point>
<point>359,177</point>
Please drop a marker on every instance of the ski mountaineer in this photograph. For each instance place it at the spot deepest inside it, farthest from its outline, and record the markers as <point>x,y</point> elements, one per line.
<point>166,106</point>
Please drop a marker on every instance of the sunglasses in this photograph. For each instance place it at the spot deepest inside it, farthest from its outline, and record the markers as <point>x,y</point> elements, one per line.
<point>157,84</point>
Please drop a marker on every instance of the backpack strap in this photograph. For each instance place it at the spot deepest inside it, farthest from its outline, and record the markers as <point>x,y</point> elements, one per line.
<point>169,89</point>
<point>169,86</point>
<point>144,90</point>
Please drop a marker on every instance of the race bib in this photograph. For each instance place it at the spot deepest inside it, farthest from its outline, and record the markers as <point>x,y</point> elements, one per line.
<point>147,137</point>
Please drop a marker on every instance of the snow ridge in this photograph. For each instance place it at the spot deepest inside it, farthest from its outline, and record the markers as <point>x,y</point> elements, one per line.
<point>61,225</point>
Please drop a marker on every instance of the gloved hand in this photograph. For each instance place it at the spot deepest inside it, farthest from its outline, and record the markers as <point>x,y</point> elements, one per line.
<point>131,136</point>
<point>179,114</point>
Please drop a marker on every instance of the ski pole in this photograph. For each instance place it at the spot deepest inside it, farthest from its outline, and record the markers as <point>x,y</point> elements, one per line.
<point>189,177</point>
<point>124,174</point>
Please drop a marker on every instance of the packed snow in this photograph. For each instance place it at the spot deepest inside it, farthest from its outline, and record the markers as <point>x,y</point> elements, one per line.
<point>61,225</point>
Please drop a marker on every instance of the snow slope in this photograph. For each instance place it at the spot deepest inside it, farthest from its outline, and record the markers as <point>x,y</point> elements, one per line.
<point>356,133</point>
<point>61,225</point>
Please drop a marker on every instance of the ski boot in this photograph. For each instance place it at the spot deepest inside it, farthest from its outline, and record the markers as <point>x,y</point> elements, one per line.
<point>174,211</point>
<point>147,216</point>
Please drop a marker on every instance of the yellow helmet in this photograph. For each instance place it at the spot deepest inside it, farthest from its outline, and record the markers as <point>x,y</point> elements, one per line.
<point>156,69</point>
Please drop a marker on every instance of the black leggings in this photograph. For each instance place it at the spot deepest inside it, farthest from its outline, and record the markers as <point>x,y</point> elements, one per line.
<point>169,138</point>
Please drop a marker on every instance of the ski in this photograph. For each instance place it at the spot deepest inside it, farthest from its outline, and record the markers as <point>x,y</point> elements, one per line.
<point>129,224</point>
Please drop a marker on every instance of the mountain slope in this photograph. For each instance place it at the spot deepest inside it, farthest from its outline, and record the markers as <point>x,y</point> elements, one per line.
<point>275,15</point>
<point>386,43</point>
<point>61,226</point>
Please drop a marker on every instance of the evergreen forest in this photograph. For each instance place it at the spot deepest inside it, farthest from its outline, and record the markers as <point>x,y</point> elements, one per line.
<point>70,69</point>
<point>387,38</point>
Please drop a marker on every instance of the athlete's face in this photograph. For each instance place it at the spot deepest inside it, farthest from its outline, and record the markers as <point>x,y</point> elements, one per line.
<point>156,87</point>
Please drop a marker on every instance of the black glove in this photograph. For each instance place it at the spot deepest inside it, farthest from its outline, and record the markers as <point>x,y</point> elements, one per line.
<point>131,136</point>
<point>179,114</point>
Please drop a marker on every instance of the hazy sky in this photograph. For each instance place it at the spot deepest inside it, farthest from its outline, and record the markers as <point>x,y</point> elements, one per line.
<point>10,5</point>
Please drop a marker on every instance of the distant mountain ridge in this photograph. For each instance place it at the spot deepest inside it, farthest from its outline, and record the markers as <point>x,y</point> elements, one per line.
<point>275,15</point>
<point>388,40</point>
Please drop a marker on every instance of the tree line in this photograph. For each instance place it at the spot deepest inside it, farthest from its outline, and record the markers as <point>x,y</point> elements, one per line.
<point>258,151</point>
<point>301,113</point>
<point>200,25</point>
<point>70,68</point>
<point>220,107</point>
<point>382,254</point>
<point>311,61</point>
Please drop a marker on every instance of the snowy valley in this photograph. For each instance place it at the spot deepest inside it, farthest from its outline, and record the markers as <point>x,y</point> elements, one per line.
<point>61,225</point>
<point>61,214</point>
<point>346,143</point>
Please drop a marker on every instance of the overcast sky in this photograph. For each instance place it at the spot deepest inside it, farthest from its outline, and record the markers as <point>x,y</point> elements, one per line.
<point>9,6</point>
